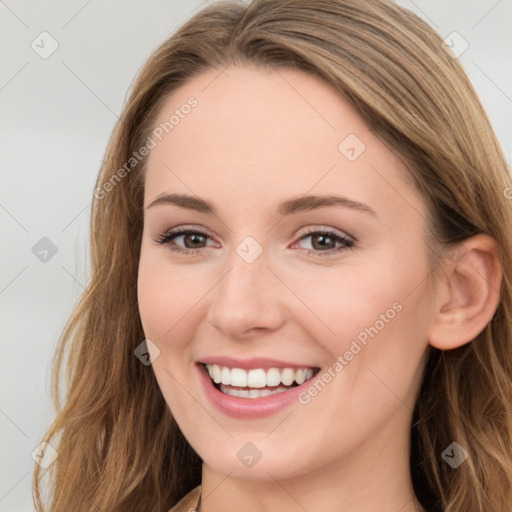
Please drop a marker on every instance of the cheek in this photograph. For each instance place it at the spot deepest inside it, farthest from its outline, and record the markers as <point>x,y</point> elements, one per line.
<point>379,321</point>
<point>343,300</point>
<point>156,299</point>
<point>169,299</point>
<point>165,307</point>
<point>371,314</point>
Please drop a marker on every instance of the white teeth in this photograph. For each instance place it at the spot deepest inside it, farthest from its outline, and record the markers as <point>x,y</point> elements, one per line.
<point>287,376</point>
<point>216,373</point>
<point>251,393</point>
<point>300,376</point>
<point>238,377</point>
<point>258,377</point>
<point>273,377</point>
<point>226,375</point>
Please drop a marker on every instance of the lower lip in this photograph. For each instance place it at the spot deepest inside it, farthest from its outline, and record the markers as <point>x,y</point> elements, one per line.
<point>246,408</point>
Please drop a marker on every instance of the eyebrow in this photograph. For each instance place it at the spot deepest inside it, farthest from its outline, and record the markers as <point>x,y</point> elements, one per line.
<point>303,203</point>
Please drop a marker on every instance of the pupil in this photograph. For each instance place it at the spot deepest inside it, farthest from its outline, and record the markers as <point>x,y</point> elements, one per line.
<point>194,236</point>
<point>322,244</point>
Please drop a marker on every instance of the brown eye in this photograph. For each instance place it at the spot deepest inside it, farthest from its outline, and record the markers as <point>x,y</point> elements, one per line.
<point>194,239</point>
<point>184,240</point>
<point>326,242</point>
<point>322,241</point>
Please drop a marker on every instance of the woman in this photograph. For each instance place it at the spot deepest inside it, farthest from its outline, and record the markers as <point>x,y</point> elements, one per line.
<point>301,277</point>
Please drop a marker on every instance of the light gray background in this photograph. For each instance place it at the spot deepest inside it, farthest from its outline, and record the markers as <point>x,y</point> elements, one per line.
<point>57,115</point>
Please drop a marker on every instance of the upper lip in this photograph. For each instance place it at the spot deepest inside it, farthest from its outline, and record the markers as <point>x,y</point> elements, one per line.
<point>254,362</point>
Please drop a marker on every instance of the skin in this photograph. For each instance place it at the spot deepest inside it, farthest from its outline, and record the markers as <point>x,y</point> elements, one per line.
<point>259,137</point>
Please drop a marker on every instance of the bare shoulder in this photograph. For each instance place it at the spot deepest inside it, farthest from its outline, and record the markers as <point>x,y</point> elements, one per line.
<point>188,502</point>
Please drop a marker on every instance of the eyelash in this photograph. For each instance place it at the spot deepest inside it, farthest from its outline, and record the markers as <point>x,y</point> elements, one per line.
<point>167,237</point>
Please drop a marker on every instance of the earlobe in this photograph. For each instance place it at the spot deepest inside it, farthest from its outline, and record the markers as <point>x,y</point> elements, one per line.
<point>468,293</point>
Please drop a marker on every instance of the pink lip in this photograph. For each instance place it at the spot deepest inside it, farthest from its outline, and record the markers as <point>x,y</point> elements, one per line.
<point>248,408</point>
<point>249,364</point>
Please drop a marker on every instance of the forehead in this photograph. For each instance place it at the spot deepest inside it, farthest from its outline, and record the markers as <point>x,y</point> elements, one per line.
<point>268,134</point>
<point>243,110</point>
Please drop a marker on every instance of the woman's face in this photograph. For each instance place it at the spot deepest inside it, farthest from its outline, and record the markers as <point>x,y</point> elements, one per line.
<point>272,274</point>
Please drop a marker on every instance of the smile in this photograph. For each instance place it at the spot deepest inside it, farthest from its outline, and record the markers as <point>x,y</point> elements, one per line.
<point>257,382</point>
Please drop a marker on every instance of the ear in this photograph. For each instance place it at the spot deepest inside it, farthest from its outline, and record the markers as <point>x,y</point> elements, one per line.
<point>468,293</point>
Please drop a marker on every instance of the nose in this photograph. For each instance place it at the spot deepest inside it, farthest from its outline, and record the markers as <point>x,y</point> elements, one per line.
<point>247,300</point>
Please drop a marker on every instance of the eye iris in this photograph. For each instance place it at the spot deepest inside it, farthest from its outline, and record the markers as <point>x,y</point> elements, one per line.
<point>322,245</point>
<point>194,238</point>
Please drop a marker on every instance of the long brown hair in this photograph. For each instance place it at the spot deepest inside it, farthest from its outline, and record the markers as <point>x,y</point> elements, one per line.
<point>119,448</point>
